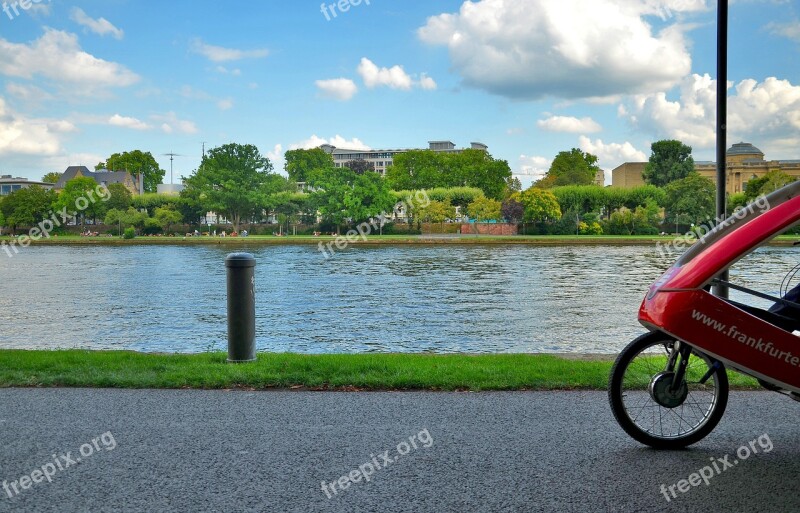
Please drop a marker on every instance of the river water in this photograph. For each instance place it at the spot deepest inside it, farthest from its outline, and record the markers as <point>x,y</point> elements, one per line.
<point>437,298</point>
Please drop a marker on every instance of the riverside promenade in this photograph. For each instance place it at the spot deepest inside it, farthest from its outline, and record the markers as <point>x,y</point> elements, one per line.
<point>190,450</point>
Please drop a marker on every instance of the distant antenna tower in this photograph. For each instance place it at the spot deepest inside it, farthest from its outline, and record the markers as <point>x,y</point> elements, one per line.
<point>171,158</point>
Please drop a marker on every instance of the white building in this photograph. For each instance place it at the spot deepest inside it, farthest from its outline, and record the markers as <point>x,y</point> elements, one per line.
<point>382,159</point>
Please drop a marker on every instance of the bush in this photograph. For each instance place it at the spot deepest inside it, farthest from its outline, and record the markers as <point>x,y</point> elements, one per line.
<point>129,233</point>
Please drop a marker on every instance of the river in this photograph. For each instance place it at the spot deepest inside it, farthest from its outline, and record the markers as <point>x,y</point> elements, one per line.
<point>416,298</point>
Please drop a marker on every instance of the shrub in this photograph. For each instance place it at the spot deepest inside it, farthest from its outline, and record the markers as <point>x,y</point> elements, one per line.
<point>129,233</point>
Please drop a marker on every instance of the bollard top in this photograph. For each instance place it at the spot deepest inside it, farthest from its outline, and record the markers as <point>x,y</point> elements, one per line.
<point>240,260</point>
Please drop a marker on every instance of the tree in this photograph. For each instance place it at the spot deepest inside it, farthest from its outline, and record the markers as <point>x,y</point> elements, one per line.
<point>301,163</point>
<point>166,217</point>
<point>572,167</point>
<point>433,212</point>
<point>540,205</point>
<point>79,197</point>
<point>484,209</point>
<point>691,199</point>
<point>136,162</point>
<point>52,177</point>
<point>125,218</point>
<point>27,206</point>
<point>774,180</point>
<point>670,160</point>
<point>360,166</point>
<point>233,180</point>
<point>427,169</point>
<point>340,195</point>
<point>512,210</point>
<point>120,197</point>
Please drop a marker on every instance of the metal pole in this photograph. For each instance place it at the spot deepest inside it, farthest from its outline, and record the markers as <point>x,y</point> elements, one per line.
<point>241,307</point>
<point>722,121</point>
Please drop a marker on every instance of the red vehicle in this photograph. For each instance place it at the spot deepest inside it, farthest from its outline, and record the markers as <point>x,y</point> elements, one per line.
<point>669,388</point>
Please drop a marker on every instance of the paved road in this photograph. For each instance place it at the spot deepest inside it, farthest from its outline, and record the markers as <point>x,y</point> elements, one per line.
<point>270,451</point>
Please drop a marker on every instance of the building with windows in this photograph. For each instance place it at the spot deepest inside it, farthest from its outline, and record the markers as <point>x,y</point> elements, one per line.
<point>133,183</point>
<point>382,159</point>
<point>9,184</point>
<point>743,163</point>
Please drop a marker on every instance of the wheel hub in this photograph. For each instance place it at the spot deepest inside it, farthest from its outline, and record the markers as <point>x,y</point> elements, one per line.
<point>661,390</point>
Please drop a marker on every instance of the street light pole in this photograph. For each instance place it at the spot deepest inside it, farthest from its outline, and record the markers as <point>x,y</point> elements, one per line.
<point>722,122</point>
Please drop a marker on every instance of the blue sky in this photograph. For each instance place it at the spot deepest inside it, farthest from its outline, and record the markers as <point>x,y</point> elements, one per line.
<point>80,80</point>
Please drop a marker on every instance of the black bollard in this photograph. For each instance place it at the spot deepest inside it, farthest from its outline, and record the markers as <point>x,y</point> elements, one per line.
<point>241,307</point>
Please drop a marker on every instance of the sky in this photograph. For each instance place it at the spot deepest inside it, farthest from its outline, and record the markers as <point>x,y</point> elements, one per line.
<point>83,79</point>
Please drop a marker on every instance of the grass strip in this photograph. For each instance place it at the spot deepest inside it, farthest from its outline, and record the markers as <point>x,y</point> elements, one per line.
<point>351,372</point>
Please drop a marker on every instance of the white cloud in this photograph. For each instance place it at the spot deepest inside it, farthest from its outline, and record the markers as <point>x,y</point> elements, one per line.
<point>58,56</point>
<point>225,71</point>
<point>533,166</point>
<point>427,83</point>
<point>569,124</point>
<point>127,122</point>
<point>611,155</point>
<point>28,93</point>
<point>100,26</point>
<point>23,136</point>
<point>766,114</point>
<point>225,103</point>
<point>276,154</point>
<point>790,30</point>
<point>342,89</point>
<point>528,49</point>
<point>340,142</point>
<point>221,54</point>
<point>170,123</point>
<point>373,76</point>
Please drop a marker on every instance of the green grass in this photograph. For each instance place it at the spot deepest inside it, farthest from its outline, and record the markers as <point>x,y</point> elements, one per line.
<point>123,369</point>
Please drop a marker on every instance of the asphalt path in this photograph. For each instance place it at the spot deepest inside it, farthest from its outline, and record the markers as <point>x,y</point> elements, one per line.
<point>193,451</point>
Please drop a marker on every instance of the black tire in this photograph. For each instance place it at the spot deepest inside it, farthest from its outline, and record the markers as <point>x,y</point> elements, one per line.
<point>642,417</point>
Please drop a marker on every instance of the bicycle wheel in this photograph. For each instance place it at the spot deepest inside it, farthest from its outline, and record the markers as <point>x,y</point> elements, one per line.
<point>650,408</point>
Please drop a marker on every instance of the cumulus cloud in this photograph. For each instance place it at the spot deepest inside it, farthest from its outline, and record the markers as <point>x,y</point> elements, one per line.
<point>533,166</point>
<point>569,124</point>
<point>393,78</point>
<point>790,30</point>
<point>25,136</point>
<point>340,142</point>
<point>127,122</point>
<point>170,123</point>
<point>222,54</point>
<point>100,26</point>
<point>342,89</point>
<point>611,155</point>
<point>58,56</point>
<point>765,113</point>
<point>528,49</point>
<point>373,76</point>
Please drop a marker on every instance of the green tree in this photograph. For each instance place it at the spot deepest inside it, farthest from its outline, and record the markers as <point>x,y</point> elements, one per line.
<point>166,217</point>
<point>540,205</point>
<point>484,209</point>
<point>80,196</point>
<point>52,177</point>
<point>120,197</point>
<point>572,167</point>
<point>27,206</point>
<point>136,162</point>
<point>301,163</point>
<point>340,195</point>
<point>233,180</point>
<point>670,160</point>
<point>126,218</point>
<point>691,199</point>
